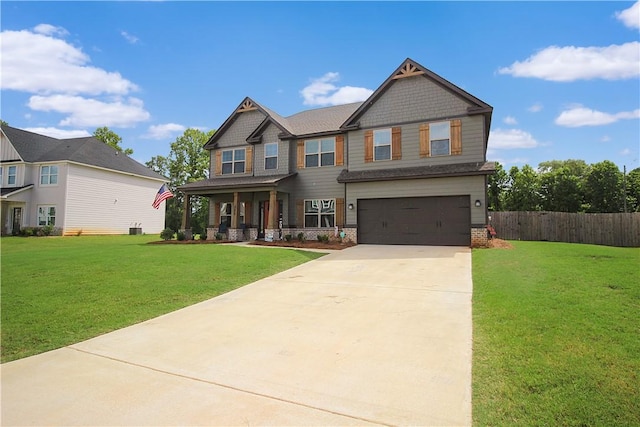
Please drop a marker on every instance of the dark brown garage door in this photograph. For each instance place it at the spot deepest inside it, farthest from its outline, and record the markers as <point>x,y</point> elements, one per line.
<point>442,221</point>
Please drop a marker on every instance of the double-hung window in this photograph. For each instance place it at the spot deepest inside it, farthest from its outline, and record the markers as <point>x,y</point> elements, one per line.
<point>382,144</point>
<point>440,138</point>
<point>233,161</point>
<point>49,175</point>
<point>320,213</point>
<point>226,210</point>
<point>46,215</point>
<point>271,156</point>
<point>319,152</point>
<point>1,181</point>
<point>12,172</point>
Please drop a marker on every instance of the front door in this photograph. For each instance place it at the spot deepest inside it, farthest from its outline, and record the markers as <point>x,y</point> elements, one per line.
<point>17,220</point>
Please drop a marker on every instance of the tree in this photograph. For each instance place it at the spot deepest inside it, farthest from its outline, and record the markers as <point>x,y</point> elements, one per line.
<point>496,188</point>
<point>562,185</point>
<point>633,190</point>
<point>187,162</point>
<point>524,190</point>
<point>603,188</point>
<point>112,139</point>
<point>3,123</point>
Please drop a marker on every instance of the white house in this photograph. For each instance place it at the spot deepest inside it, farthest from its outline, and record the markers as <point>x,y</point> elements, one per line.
<point>80,185</point>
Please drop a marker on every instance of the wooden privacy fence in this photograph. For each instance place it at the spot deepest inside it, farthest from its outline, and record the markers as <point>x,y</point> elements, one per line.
<point>611,229</point>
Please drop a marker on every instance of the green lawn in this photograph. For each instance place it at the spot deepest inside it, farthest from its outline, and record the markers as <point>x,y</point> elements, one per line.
<point>556,335</point>
<point>58,291</point>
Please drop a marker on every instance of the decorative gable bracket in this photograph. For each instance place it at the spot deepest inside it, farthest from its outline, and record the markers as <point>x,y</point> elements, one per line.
<point>408,70</point>
<point>247,105</point>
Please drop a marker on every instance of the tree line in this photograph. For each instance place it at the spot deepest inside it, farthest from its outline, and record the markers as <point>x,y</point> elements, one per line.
<point>565,186</point>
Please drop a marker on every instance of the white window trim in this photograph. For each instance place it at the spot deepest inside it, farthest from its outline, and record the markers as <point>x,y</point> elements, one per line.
<point>1,176</point>
<point>319,153</point>
<point>431,139</point>
<point>233,162</point>
<point>57,174</point>
<point>15,175</point>
<point>47,215</point>
<point>319,214</point>
<point>387,130</point>
<point>270,157</point>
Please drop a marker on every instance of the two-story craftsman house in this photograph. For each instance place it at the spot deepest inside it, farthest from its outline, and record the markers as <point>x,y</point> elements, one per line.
<point>406,166</point>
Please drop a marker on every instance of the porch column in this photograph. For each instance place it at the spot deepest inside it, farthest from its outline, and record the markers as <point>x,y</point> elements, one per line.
<point>273,210</point>
<point>235,211</point>
<point>186,214</point>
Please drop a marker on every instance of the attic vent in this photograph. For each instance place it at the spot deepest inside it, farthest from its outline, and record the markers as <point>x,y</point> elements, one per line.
<point>246,106</point>
<point>408,70</point>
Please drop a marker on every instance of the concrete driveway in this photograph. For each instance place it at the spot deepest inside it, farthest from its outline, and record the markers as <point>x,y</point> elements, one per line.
<point>370,335</point>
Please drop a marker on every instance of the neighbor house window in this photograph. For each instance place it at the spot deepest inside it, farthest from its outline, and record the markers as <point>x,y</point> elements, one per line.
<point>46,215</point>
<point>382,144</point>
<point>11,175</point>
<point>440,138</point>
<point>233,161</point>
<point>319,152</point>
<point>48,175</point>
<point>271,155</point>
<point>320,213</point>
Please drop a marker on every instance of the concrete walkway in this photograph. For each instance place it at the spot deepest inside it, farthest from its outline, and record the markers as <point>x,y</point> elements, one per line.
<point>370,335</point>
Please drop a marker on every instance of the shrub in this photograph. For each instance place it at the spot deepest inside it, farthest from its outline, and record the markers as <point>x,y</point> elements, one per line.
<point>218,236</point>
<point>181,236</point>
<point>324,238</point>
<point>301,237</point>
<point>288,237</point>
<point>166,234</point>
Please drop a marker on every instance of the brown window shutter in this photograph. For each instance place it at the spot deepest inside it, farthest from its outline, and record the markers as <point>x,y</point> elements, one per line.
<point>218,162</point>
<point>368,146</point>
<point>340,212</point>
<point>300,213</point>
<point>396,143</point>
<point>456,137</point>
<point>216,214</point>
<point>300,154</point>
<point>339,150</point>
<point>424,140</point>
<point>247,213</point>
<point>248,160</point>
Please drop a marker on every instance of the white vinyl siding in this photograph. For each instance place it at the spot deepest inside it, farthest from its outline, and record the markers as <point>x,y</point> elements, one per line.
<point>104,202</point>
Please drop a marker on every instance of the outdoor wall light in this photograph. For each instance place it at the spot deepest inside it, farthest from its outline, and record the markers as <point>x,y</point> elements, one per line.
<point>478,203</point>
<point>350,206</point>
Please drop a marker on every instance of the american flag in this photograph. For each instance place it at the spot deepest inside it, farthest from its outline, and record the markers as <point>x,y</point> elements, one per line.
<point>163,194</point>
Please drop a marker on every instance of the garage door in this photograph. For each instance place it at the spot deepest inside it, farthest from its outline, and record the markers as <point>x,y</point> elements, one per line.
<point>442,221</point>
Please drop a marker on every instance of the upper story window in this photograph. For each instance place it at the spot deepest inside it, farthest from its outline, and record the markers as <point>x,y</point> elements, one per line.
<point>271,155</point>
<point>319,152</point>
<point>382,144</point>
<point>440,138</point>
<point>49,175</point>
<point>1,181</point>
<point>12,173</point>
<point>233,161</point>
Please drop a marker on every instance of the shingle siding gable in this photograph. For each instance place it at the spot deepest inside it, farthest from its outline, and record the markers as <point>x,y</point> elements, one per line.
<point>243,126</point>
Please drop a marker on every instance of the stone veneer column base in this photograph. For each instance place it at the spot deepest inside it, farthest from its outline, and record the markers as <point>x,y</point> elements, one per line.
<point>479,237</point>
<point>272,234</point>
<point>211,233</point>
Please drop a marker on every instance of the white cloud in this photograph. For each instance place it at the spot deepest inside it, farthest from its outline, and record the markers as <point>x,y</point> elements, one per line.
<point>510,120</point>
<point>578,116</point>
<point>507,163</point>
<point>625,152</point>
<point>605,138</point>
<point>164,130</point>
<point>506,139</point>
<point>570,63</point>
<point>630,17</point>
<point>92,112</point>
<point>40,63</point>
<point>535,108</point>
<point>50,30</point>
<point>59,133</point>
<point>130,38</point>
<point>322,91</point>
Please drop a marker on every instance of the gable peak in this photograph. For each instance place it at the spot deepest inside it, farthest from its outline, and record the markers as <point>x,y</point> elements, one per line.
<point>409,69</point>
<point>247,105</point>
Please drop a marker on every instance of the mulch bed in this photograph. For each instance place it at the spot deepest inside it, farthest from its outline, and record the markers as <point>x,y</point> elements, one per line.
<point>499,244</point>
<point>189,242</point>
<point>309,244</point>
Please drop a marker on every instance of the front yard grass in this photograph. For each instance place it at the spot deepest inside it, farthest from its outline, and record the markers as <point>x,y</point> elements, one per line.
<point>556,335</point>
<point>59,291</point>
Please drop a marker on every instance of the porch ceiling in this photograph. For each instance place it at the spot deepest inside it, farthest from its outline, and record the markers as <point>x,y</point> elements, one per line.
<point>215,185</point>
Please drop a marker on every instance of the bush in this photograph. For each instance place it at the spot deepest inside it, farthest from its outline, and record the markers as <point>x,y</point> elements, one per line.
<point>166,234</point>
<point>301,237</point>
<point>219,236</point>
<point>181,236</point>
<point>324,238</point>
<point>288,237</point>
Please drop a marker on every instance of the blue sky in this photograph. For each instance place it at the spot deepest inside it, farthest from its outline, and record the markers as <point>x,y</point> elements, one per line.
<point>563,77</point>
